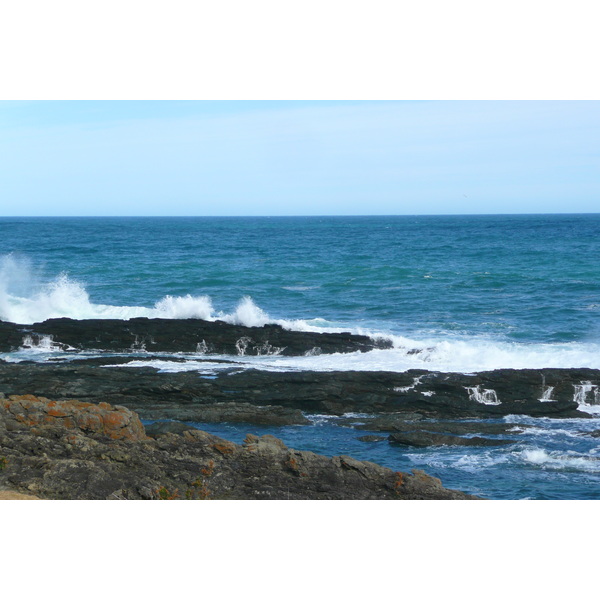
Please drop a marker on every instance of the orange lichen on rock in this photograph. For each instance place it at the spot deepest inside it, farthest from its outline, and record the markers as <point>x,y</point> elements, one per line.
<point>29,398</point>
<point>224,448</point>
<point>113,419</point>
<point>209,469</point>
<point>163,493</point>
<point>115,422</point>
<point>56,412</point>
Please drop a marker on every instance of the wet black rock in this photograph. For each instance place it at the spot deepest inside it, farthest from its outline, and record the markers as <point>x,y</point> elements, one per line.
<point>429,394</point>
<point>413,394</point>
<point>181,335</point>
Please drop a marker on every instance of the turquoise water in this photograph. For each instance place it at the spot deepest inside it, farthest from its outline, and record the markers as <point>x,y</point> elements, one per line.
<point>484,291</point>
<point>520,278</point>
<point>473,292</point>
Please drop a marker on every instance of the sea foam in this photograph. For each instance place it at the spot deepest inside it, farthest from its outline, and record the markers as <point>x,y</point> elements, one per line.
<point>561,461</point>
<point>184,307</point>
<point>25,297</point>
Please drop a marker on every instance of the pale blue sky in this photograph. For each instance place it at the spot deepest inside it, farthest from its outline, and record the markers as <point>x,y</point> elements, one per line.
<point>298,158</point>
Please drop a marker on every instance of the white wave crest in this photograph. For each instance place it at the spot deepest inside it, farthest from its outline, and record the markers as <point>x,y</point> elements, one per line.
<point>24,299</point>
<point>184,307</point>
<point>247,313</point>
<point>449,357</point>
<point>480,354</point>
<point>569,461</point>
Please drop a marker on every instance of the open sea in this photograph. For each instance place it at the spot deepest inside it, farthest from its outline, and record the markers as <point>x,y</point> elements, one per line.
<point>474,292</point>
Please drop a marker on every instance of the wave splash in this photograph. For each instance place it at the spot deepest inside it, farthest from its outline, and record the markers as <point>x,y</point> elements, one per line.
<point>561,461</point>
<point>25,298</point>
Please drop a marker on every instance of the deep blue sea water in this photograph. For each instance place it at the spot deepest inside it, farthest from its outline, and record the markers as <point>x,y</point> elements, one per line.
<point>474,292</point>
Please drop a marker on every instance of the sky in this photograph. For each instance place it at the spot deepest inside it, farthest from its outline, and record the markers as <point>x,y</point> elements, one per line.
<point>238,158</point>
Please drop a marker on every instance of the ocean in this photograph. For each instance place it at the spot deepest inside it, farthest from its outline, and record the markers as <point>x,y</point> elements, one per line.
<point>472,293</point>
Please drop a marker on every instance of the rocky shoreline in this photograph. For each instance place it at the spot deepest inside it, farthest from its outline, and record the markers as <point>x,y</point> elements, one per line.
<point>77,450</point>
<point>415,408</point>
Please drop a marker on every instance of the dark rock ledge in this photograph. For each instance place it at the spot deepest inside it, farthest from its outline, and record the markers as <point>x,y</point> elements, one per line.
<point>181,335</point>
<point>77,450</point>
<point>280,398</point>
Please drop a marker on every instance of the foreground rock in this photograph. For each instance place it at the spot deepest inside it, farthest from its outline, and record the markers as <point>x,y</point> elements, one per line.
<point>71,450</point>
<point>180,335</point>
<point>30,412</point>
<point>184,396</point>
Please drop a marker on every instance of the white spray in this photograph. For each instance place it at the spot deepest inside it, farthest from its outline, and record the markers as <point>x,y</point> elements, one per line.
<point>586,394</point>
<point>483,396</point>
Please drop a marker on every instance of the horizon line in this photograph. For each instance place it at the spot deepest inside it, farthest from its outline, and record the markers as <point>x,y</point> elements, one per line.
<point>290,216</point>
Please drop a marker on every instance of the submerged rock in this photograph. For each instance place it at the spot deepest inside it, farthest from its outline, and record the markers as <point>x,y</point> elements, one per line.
<point>53,456</point>
<point>372,438</point>
<point>422,433</point>
<point>424,439</point>
<point>595,433</point>
<point>395,422</point>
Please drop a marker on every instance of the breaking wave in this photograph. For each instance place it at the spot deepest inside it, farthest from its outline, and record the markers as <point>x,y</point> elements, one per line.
<point>561,461</point>
<point>26,299</point>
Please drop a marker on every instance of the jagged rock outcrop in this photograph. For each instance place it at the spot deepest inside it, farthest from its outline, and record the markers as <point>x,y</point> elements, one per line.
<point>50,456</point>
